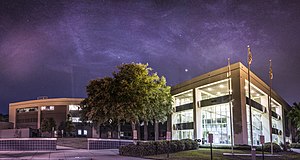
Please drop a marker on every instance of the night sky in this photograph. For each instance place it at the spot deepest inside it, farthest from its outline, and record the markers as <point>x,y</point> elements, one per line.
<point>53,48</point>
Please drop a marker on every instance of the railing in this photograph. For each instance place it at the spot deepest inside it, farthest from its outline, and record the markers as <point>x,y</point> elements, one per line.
<point>27,144</point>
<point>95,144</point>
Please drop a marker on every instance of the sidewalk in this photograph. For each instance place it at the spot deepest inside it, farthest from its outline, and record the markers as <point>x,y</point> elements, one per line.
<point>297,150</point>
<point>67,153</point>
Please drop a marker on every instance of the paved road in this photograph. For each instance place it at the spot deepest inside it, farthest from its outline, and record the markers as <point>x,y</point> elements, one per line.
<point>67,153</point>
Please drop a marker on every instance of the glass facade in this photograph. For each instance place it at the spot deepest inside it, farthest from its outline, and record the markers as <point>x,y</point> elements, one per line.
<point>260,116</point>
<point>216,120</point>
<point>182,118</point>
<point>213,90</point>
<point>207,109</point>
<point>215,111</point>
<point>256,125</point>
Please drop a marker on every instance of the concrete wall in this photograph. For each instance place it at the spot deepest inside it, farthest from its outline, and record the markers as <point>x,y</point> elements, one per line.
<point>6,125</point>
<point>27,144</point>
<point>15,133</point>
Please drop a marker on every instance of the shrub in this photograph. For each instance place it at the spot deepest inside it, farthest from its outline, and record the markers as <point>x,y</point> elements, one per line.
<point>276,147</point>
<point>294,145</point>
<point>157,147</point>
<point>190,144</point>
<point>179,144</point>
<point>242,147</point>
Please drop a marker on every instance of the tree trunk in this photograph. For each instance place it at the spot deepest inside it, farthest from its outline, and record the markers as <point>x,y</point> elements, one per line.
<point>133,128</point>
<point>119,129</point>
<point>156,131</point>
<point>99,131</point>
<point>139,131</point>
<point>145,130</point>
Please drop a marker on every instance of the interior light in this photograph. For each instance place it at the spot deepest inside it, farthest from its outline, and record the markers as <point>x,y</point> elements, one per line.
<point>209,89</point>
<point>257,95</point>
<point>218,93</point>
<point>221,86</point>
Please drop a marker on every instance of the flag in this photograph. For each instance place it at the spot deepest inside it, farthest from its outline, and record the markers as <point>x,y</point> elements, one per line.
<point>249,55</point>
<point>229,70</point>
<point>271,70</point>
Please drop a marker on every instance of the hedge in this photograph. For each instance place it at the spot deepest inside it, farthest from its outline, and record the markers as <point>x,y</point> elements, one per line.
<point>276,147</point>
<point>157,147</point>
<point>267,147</point>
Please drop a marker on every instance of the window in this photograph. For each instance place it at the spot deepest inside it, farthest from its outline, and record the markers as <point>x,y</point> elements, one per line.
<point>213,90</point>
<point>76,119</point>
<point>79,132</point>
<point>184,98</point>
<point>257,128</point>
<point>73,107</point>
<point>47,108</point>
<point>183,117</point>
<point>216,120</point>
<point>85,132</point>
<point>30,109</point>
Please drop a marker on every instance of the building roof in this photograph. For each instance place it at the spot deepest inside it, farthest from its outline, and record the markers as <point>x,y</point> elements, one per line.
<point>44,102</point>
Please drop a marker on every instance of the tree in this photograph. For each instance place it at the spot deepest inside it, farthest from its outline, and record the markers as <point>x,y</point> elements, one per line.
<point>134,94</point>
<point>294,116</point>
<point>48,125</point>
<point>67,126</point>
<point>97,107</point>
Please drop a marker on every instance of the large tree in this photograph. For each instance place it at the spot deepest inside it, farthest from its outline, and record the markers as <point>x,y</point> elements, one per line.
<point>48,125</point>
<point>67,125</point>
<point>97,107</point>
<point>134,94</point>
<point>294,116</point>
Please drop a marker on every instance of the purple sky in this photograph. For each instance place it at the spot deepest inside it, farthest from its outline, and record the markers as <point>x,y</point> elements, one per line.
<point>54,48</point>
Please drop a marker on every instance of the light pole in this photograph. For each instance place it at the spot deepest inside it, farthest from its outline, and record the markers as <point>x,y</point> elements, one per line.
<point>230,101</point>
<point>249,95</point>
<point>270,106</point>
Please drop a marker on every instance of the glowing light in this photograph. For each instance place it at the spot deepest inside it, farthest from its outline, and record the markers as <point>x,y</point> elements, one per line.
<point>221,86</point>
<point>209,89</point>
<point>186,70</point>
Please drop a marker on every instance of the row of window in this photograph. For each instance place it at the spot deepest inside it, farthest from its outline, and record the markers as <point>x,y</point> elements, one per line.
<point>27,120</point>
<point>47,108</point>
<point>23,110</point>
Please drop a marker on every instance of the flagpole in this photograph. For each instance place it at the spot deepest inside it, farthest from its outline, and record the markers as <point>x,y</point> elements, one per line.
<point>249,95</point>
<point>230,106</point>
<point>270,106</point>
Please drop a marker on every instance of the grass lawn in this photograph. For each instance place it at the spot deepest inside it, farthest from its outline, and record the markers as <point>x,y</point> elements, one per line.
<point>204,153</point>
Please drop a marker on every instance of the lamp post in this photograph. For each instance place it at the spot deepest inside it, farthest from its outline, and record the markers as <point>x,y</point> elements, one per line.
<point>270,106</point>
<point>249,96</point>
<point>230,101</point>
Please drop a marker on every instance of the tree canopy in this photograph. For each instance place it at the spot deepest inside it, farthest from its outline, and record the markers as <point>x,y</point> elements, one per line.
<point>48,124</point>
<point>294,115</point>
<point>134,93</point>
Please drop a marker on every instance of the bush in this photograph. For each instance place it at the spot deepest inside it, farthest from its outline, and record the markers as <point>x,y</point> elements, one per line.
<point>276,147</point>
<point>157,147</point>
<point>294,145</point>
<point>179,144</point>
